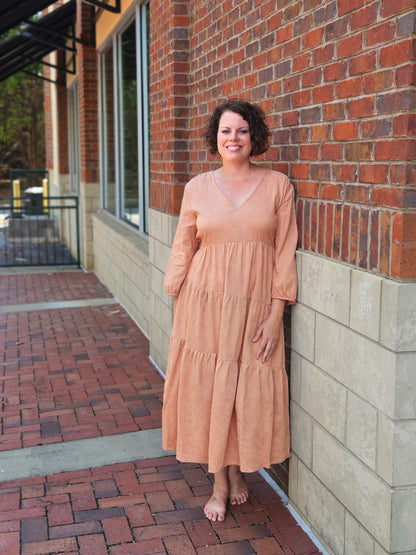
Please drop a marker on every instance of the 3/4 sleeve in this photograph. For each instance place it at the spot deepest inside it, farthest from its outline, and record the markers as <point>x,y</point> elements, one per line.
<point>284,284</point>
<point>184,246</point>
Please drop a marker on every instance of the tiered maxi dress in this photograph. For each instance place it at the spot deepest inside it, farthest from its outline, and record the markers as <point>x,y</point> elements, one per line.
<point>222,406</point>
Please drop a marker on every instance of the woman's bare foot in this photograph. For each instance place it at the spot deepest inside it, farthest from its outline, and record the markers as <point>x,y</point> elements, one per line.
<point>238,486</point>
<point>217,505</point>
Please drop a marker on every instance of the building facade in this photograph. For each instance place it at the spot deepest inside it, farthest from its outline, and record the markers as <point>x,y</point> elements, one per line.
<point>336,79</point>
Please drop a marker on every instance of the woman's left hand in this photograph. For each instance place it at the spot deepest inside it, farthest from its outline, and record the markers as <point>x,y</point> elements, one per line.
<point>267,333</point>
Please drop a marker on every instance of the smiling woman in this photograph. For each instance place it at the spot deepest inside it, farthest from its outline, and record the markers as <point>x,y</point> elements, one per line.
<point>231,271</point>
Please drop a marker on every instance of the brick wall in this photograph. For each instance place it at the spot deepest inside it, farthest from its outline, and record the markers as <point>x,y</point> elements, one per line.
<point>336,79</point>
<point>169,100</point>
<point>87,70</point>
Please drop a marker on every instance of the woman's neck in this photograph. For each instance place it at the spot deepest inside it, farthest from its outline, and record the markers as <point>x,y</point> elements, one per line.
<point>236,170</point>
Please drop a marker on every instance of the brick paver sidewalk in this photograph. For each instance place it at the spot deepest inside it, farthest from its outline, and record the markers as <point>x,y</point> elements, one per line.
<point>84,372</point>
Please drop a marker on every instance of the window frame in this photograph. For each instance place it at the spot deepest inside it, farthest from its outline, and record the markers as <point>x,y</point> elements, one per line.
<point>141,18</point>
<point>74,141</point>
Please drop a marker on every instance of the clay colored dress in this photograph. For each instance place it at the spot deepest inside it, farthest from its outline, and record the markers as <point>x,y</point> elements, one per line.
<point>221,405</point>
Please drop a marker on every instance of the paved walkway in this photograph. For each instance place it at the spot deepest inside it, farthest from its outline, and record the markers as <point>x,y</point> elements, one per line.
<point>81,464</point>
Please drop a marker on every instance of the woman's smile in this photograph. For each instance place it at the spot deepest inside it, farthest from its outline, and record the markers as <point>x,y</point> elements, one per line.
<point>233,135</point>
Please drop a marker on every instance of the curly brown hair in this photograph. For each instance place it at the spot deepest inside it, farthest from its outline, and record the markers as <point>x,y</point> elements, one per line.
<point>251,113</point>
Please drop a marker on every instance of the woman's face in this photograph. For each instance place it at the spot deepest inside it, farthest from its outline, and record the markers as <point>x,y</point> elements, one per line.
<point>233,137</point>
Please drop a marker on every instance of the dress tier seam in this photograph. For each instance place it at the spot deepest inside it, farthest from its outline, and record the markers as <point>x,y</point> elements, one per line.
<point>238,361</point>
<point>221,293</point>
<point>207,244</point>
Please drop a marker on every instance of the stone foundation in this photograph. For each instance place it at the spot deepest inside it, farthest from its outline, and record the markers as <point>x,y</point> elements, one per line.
<point>353,408</point>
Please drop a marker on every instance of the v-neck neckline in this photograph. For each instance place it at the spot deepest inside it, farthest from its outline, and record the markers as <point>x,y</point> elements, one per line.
<point>246,199</point>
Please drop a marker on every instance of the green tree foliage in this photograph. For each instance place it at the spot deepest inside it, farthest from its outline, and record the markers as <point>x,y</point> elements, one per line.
<point>22,123</point>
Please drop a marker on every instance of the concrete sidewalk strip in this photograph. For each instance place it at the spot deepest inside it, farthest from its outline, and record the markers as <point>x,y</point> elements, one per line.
<point>58,304</point>
<point>43,460</point>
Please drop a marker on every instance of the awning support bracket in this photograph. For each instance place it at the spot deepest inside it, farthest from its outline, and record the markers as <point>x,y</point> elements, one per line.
<point>104,5</point>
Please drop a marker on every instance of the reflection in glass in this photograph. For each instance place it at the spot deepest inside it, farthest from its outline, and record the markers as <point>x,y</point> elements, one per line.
<point>130,172</point>
<point>109,142</point>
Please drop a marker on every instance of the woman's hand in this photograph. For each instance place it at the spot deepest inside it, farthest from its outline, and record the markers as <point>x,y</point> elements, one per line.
<point>267,333</point>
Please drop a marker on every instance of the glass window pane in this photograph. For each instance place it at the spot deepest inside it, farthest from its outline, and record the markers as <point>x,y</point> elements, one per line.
<point>109,133</point>
<point>130,172</point>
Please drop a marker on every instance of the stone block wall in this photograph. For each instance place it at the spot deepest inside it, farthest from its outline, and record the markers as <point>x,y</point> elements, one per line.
<point>121,261</point>
<point>353,409</point>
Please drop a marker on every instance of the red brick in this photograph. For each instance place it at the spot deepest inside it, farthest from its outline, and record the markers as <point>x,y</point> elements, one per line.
<point>351,45</point>
<point>92,545</point>
<point>320,133</point>
<point>329,191</point>
<point>363,64</point>
<point>349,88</point>
<point>121,500</point>
<point>358,151</point>
<point>51,546</point>
<point>9,543</point>
<point>243,533</point>
<point>159,531</point>
<point>155,547</point>
<point>354,234</point>
<point>336,240</point>
<point>301,62</point>
<point>404,124</point>
<point>403,263</point>
<point>332,151</point>
<point>139,515</point>
<point>358,194</point>
<point>365,17</point>
<point>267,546</point>
<point>329,229</point>
<point>394,7</point>
<point>179,545</point>
<point>334,111</point>
<point>378,81</point>
<point>83,500</point>
<point>170,517</point>
<point>201,533</point>
<point>374,173</point>
<point>233,548</point>
<point>345,6</point>
<point>9,501</point>
<point>346,225</point>
<point>313,38</point>
<point>374,240</point>
<point>60,514</point>
<point>396,54</point>
<point>385,245</point>
<point>405,75</point>
<point>69,530</point>
<point>159,501</point>
<point>117,530</point>
<point>323,54</point>
<point>364,236</point>
<point>382,33</point>
<point>396,149</point>
<point>308,189</point>
<point>325,93</point>
<point>362,107</point>
<point>335,71</point>
<point>346,131</point>
<point>321,229</point>
<point>314,226</point>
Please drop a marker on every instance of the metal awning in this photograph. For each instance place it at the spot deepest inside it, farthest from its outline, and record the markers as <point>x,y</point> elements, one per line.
<point>38,39</point>
<point>13,12</point>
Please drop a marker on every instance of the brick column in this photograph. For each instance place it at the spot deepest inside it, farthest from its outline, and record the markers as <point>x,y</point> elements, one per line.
<point>89,124</point>
<point>170,151</point>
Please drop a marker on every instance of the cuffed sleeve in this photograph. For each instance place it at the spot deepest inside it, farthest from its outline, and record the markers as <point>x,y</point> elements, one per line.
<point>183,248</point>
<point>284,283</point>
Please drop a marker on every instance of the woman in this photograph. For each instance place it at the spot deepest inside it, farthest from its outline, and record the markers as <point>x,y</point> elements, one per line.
<point>231,272</point>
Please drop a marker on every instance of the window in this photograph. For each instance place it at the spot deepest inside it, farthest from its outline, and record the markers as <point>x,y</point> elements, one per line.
<point>73,135</point>
<point>124,80</point>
